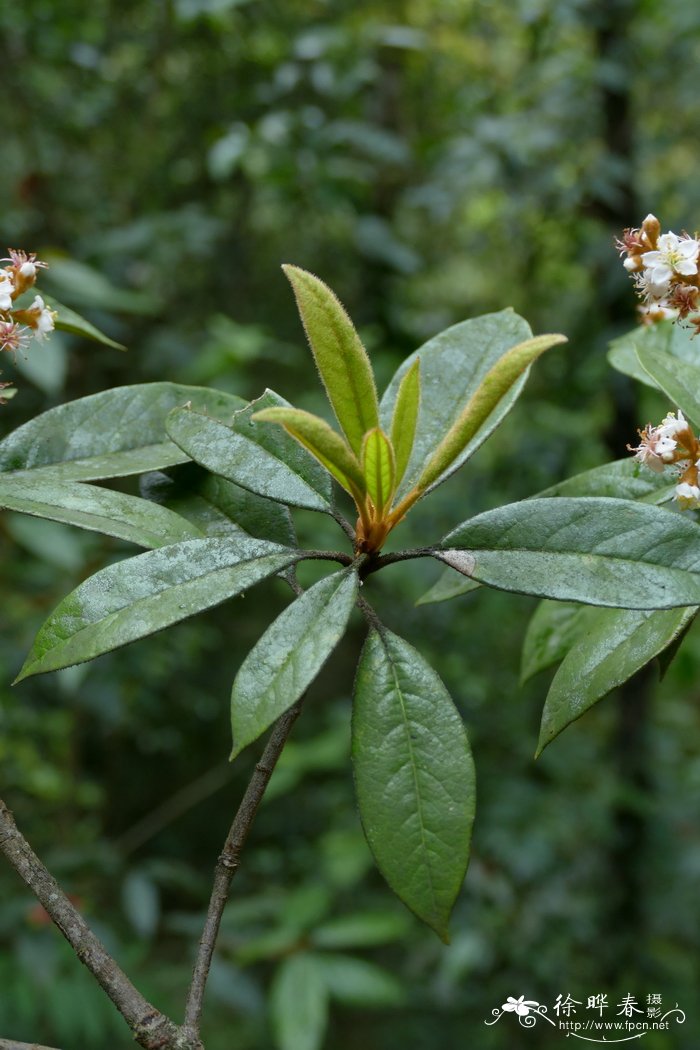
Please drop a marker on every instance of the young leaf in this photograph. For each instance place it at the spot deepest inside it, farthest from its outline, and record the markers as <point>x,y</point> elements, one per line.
<point>340,357</point>
<point>322,441</point>
<point>108,435</point>
<point>493,387</point>
<point>68,320</point>
<point>299,1002</point>
<point>263,459</point>
<point>379,468</point>
<point>141,595</point>
<point>289,655</point>
<point>100,510</point>
<point>452,366</point>
<point>597,551</point>
<point>680,380</point>
<point>414,777</point>
<point>405,417</point>
<point>616,644</point>
<point>552,631</point>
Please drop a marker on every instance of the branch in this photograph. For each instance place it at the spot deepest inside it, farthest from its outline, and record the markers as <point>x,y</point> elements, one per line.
<point>227,866</point>
<point>151,1028</point>
<point>10,1044</point>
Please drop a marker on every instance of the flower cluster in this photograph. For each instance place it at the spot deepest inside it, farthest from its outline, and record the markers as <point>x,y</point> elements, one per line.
<point>18,325</point>
<point>673,444</point>
<point>664,267</point>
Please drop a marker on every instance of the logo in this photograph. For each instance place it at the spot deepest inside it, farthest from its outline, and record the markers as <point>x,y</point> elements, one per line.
<point>598,1021</point>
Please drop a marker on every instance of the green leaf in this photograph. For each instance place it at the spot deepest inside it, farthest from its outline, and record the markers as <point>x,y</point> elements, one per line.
<point>108,435</point>
<point>322,441</point>
<point>680,380</point>
<point>355,982</point>
<point>664,336</point>
<point>218,507</point>
<point>616,644</point>
<point>361,930</point>
<point>141,595</point>
<point>97,509</point>
<point>405,417</point>
<point>450,584</point>
<point>278,670</point>
<point>553,629</point>
<point>68,320</point>
<point>622,479</point>
<point>379,468</point>
<point>492,389</point>
<point>414,777</point>
<point>340,357</point>
<point>299,1003</point>
<point>597,551</point>
<point>258,457</point>
<point>453,365</point>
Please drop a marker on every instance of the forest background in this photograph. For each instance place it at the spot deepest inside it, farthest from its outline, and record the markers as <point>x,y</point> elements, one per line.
<point>431,160</point>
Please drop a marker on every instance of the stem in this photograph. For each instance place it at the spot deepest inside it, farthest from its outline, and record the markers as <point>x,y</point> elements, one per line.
<point>227,866</point>
<point>151,1028</point>
<point>11,1044</point>
<point>378,562</point>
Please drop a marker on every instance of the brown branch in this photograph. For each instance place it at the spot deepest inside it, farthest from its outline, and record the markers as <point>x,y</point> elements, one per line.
<point>151,1029</point>
<point>227,866</point>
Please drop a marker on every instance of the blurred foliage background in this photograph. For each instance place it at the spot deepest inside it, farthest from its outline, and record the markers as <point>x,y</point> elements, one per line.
<point>431,160</point>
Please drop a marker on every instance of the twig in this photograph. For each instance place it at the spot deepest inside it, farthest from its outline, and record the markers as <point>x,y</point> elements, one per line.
<point>151,1029</point>
<point>227,866</point>
<point>11,1044</point>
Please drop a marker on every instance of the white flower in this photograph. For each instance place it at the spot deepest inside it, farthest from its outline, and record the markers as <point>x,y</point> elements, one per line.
<point>688,496</point>
<point>520,1006</point>
<point>652,291</point>
<point>672,425</point>
<point>673,255</point>
<point>28,270</point>
<point>6,290</point>
<point>44,322</point>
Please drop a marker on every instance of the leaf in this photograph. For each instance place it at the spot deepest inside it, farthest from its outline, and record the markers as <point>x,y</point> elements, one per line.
<point>680,380</point>
<point>379,468</point>
<point>260,458</point>
<point>97,509</point>
<point>405,417</point>
<point>552,631</point>
<point>340,357</point>
<point>452,366</point>
<point>68,320</point>
<point>355,982</point>
<point>361,930</point>
<point>291,652</point>
<point>322,441</point>
<point>664,336</point>
<point>491,390</point>
<point>617,643</point>
<point>299,1003</point>
<point>108,435</point>
<point>141,595</point>
<point>218,507</point>
<point>450,584</point>
<point>622,479</point>
<point>414,777</point>
<point>597,551</point>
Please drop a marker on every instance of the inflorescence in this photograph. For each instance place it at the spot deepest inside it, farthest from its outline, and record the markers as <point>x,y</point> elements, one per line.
<point>17,326</point>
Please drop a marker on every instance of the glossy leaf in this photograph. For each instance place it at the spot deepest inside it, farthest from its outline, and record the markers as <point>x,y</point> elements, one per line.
<point>261,458</point>
<point>108,435</point>
<point>491,390</point>
<point>616,644</point>
<point>553,629</point>
<point>680,380</point>
<point>598,551</point>
<point>68,320</point>
<point>322,441</point>
<point>414,777</point>
<point>141,595</point>
<point>291,652</point>
<point>93,508</point>
<point>405,417</point>
<point>340,357</point>
<point>218,507</point>
<point>379,468</point>
<point>299,1003</point>
<point>452,365</point>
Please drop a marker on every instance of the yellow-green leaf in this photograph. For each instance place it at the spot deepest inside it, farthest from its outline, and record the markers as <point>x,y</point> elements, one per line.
<point>379,468</point>
<point>495,385</point>
<point>405,418</point>
<point>322,441</point>
<point>340,357</point>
